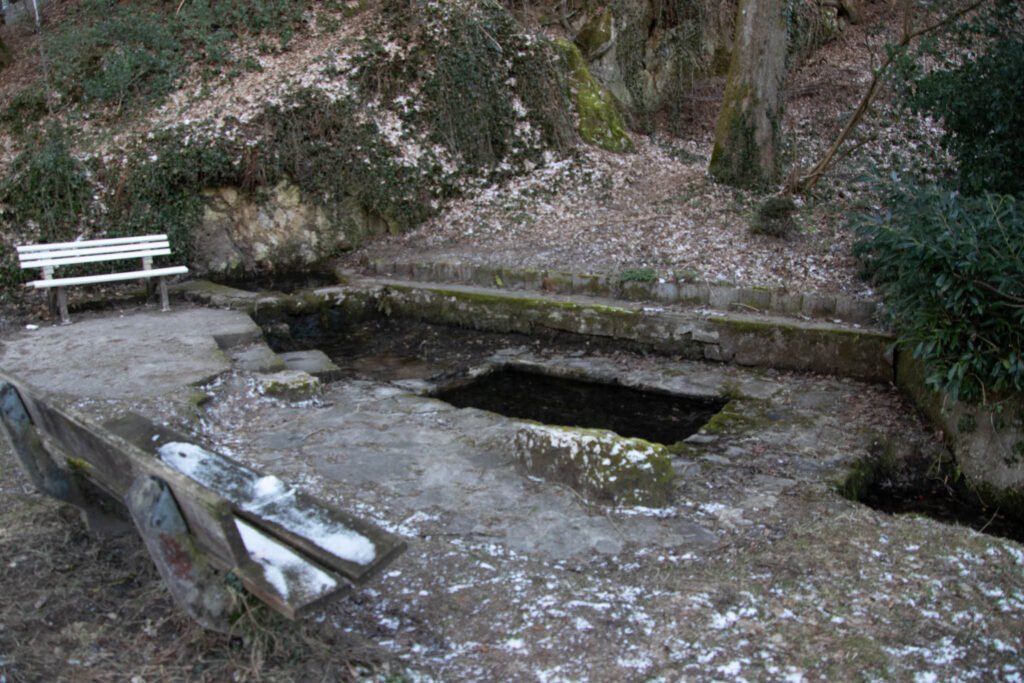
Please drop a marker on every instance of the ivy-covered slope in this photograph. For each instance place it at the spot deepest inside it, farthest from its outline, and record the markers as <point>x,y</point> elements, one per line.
<point>405,106</point>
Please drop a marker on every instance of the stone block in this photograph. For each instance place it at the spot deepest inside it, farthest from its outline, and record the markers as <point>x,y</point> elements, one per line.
<point>289,385</point>
<point>313,361</point>
<point>818,305</point>
<point>666,292</point>
<point>786,303</point>
<point>860,311</point>
<point>597,463</point>
<point>692,293</point>
<point>256,358</point>
<point>722,297</point>
<point>749,298</point>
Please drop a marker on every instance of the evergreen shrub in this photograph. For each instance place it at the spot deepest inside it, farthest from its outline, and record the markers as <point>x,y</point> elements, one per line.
<point>981,105</point>
<point>951,268</point>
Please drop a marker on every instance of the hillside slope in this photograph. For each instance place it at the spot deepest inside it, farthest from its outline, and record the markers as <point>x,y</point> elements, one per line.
<point>363,111</point>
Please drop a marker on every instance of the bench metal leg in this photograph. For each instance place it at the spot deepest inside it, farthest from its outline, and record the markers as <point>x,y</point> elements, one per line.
<point>193,583</point>
<point>165,304</point>
<point>62,304</point>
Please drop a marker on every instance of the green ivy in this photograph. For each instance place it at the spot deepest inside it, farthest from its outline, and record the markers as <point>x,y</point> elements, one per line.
<point>116,54</point>
<point>951,268</point>
<point>158,187</point>
<point>24,108</point>
<point>47,191</point>
<point>129,54</point>
<point>981,105</point>
<point>475,72</point>
<point>336,155</point>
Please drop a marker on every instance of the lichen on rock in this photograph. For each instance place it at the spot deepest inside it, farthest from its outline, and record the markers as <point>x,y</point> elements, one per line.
<point>288,385</point>
<point>600,116</point>
<point>598,463</point>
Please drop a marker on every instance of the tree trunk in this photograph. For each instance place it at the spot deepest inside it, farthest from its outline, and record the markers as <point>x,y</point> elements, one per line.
<point>748,133</point>
<point>5,54</point>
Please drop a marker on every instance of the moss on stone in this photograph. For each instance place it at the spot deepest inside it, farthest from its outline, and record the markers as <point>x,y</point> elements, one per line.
<point>596,34</point>
<point>728,420</point>
<point>600,115</point>
<point>598,463</point>
<point>289,385</point>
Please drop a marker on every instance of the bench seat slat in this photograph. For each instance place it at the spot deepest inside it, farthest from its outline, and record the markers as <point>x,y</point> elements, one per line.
<point>109,277</point>
<point>43,261</point>
<point>109,241</point>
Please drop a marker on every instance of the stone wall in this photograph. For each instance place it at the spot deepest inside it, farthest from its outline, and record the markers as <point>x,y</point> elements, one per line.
<point>278,231</point>
<point>988,442</point>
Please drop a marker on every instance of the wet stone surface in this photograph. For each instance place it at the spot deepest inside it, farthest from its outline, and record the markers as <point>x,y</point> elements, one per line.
<point>757,568</point>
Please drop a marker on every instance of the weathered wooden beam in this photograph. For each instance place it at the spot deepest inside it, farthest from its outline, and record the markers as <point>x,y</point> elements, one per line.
<point>35,460</point>
<point>102,513</point>
<point>113,464</point>
<point>284,517</point>
<point>193,583</point>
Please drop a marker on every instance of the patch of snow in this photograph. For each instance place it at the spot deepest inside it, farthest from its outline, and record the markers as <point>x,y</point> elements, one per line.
<point>282,568</point>
<point>268,498</point>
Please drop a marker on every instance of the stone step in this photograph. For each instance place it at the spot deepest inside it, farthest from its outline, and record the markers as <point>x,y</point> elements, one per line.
<point>314,361</point>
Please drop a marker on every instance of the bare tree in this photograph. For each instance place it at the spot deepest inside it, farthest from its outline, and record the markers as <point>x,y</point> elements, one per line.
<point>5,54</point>
<point>748,132</point>
<point>909,32</point>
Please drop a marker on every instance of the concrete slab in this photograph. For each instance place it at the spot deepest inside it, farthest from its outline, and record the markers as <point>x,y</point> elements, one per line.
<point>256,358</point>
<point>313,361</point>
<point>135,355</point>
<point>758,566</point>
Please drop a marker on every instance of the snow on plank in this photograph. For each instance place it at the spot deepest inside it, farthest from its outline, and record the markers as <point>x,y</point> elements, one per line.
<point>331,538</point>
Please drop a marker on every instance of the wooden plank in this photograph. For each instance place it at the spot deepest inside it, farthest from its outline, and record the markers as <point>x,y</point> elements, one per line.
<point>284,579</point>
<point>106,241</point>
<point>86,248</point>
<point>111,277</point>
<point>355,548</point>
<point>127,251</point>
<point>113,464</point>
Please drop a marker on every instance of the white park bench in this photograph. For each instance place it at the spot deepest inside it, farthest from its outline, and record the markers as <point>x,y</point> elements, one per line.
<point>48,257</point>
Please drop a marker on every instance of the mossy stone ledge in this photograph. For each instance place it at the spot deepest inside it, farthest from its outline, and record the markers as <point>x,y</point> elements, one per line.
<point>597,463</point>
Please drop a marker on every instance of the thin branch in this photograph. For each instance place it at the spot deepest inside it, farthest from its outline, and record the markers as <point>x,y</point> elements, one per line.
<point>806,182</point>
<point>1010,297</point>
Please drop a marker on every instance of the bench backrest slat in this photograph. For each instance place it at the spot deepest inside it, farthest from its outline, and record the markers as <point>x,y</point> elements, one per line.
<point>41,261</point>
<point>92,251</point>
<point>105,242</point>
